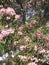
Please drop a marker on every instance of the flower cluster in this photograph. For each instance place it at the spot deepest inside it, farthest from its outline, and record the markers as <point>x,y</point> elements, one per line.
<point>32,63</point>
<point>27,39</point>
<point>24,43</point>
<point>47,39</point>
<point>6,32</point>
<point>38,35</point>
<point>9,12</point>
<point>27,58</point>
<point>24,58</point>
<point>22,47</point>
<point>21,28</point>
<point>20,33</point>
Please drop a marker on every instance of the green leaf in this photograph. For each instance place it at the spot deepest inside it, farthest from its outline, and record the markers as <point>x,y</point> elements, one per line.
<point>1,48</point>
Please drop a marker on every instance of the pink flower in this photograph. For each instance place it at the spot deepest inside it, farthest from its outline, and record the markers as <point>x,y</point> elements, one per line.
<point>35,59</point>
<point>32,63</point>
<point>7,32</point>
<point>7,18</point>
<point>17,17</point>
<point>1,36</point>
<point>20,28</point>
<point>20,33</point>
<point>10,11</point>
<point>27,39</point>
<point>42,51</point>
<point>22,47</point>
<point>4,33</point>
<point>10,30</point>
<point>47,51</point>
<point>35,48</point>
<point>47,39</point>
<point>23,58</point>
<point>2,11</point>
<point>39,35</point>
